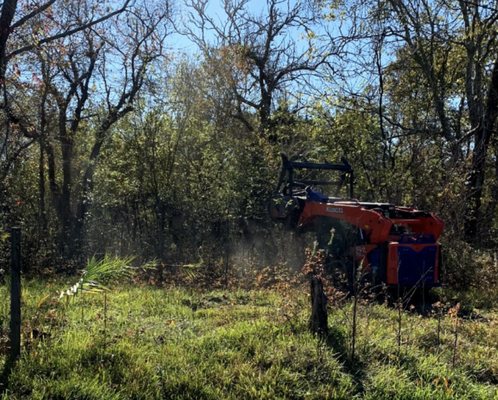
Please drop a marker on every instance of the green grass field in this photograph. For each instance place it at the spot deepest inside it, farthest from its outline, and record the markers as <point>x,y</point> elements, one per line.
<point>175,343</point>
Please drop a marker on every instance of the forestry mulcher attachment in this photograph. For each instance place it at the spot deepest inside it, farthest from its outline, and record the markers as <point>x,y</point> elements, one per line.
<point>387,244</point>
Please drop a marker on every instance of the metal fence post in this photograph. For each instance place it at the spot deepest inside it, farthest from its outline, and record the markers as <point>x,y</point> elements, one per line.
<point>15,293</point>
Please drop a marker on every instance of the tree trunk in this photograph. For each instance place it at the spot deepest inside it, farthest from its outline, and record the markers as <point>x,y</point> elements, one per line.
<point>160,210</point>
<point>64,212</point>
<point>42,212</point>
<point>475,184</point>
<point>78,232</point>
<point>489,216</point>
<point>8,10</point>
<point>477,173</point>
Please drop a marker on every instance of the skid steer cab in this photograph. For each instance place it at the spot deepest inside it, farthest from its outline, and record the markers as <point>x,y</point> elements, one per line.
<point>390,244</point>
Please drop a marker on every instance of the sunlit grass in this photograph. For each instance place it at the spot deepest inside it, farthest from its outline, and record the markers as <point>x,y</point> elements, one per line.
<point>183,344</point>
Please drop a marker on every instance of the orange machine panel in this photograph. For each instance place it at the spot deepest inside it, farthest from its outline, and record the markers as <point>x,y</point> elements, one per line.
<point>371,222</point>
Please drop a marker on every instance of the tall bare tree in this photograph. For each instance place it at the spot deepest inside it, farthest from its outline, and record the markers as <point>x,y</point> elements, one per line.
<point>260,57</point>
<point>25,27</point>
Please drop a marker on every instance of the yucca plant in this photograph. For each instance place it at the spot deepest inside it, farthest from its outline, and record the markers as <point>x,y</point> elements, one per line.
<point>96,278</point>
<point>98,274</point>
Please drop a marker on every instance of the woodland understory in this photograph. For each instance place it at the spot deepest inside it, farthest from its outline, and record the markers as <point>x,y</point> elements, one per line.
<point>154,130</point>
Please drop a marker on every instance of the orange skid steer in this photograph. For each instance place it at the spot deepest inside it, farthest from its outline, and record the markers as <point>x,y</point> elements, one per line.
<point>392,245</point>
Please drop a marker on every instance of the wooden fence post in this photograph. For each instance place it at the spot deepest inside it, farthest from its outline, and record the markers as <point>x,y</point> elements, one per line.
<point>15,293</point>
<point>319,319</point>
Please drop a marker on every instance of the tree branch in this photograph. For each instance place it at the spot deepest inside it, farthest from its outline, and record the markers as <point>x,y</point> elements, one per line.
<point>68,32</point>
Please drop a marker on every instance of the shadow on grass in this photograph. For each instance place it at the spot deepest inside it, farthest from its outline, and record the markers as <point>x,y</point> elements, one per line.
<point>338,342</point>
<point>4,377</point>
